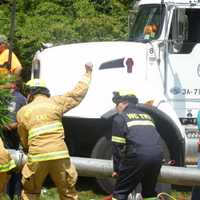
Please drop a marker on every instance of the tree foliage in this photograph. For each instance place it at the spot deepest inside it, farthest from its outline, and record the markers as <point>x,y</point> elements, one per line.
<point>64,21</point>
<point>60,22</point>
<point>5,98</point>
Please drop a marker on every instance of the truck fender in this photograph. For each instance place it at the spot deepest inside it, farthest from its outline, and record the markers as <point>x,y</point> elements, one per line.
<point>166,127</point>
<point>109,114</point>
<point>169,131</point>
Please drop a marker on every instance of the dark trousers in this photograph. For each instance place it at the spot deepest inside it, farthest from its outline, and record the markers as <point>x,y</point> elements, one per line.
<point>11,141</point>
<point>14,186</point>
<point>142,169</point>
<point>196,189</point>
<point>195,193</point>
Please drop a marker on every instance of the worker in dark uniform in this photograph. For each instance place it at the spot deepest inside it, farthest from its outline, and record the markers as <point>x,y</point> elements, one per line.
<point>196,189</point>
<point>11,138</point>
<point>10,130</point>
<point>137,150</point>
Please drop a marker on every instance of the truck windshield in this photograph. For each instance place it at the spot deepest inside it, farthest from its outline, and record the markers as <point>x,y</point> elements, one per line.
<point>148,23</point>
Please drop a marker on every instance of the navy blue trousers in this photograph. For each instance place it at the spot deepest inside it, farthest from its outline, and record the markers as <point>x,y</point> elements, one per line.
<point>196,193</point>
<point>196,189</point>
<point>142,169</point>
<point>14,186</point>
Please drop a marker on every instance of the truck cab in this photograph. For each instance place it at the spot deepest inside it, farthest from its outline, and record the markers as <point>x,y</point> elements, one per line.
<point>175,49</point>
<point>160,62</point>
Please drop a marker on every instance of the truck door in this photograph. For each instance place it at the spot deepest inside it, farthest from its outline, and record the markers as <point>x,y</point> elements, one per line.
<point>183,61</point>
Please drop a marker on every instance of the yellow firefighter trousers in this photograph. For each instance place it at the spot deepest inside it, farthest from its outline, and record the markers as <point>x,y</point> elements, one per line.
<point>4,178</point>
<point>62,173</point>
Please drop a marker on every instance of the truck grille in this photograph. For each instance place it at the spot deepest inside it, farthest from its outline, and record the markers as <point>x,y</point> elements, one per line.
<point>192,132</point>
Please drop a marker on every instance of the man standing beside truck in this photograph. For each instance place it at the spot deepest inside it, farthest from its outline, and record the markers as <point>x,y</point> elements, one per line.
<point>10,67</point>
<point>137,149</point>
<point>15,65</point>
<point>10,136</point>
<point>6,162</point>
<point>42,136</point>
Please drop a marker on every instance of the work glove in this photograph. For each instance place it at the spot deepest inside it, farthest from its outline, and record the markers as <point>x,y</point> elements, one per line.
<point>88,67</point>
<point>115,174</point>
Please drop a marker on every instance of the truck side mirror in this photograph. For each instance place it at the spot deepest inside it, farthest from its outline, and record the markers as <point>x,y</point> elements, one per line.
<point>177,44</point>
<point>178,31</point>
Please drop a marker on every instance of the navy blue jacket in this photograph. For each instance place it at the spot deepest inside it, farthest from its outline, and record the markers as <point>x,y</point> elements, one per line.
<point>133,132</point>
<point>16,103</point>
<point>11,139</point>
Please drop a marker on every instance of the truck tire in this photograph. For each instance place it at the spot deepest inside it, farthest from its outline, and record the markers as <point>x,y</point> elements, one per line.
<point>103,150</point>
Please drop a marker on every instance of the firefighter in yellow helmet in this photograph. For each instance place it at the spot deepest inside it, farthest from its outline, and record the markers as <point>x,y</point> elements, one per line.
<point>6,164</point>
<point>16,66</point>
<point>42,136</point>
<point>136,146</point>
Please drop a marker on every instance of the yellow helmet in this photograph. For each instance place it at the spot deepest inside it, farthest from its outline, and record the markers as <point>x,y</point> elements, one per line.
<point>36,83</point>
<point>36,86</point>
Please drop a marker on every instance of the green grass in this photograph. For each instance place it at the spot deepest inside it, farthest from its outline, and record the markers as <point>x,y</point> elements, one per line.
<point>88,190</point>
<point>51,194</point>
<point>86,187</point>
<point>91,195</point>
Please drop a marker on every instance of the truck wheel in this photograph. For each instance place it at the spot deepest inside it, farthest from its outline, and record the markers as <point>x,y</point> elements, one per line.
<point>103,150</point>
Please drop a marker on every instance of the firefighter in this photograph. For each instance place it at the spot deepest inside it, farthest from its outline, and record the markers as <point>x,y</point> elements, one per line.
<point>6,165</point>
<point>16,66</point>
<point>42,136</point>
<point>137,150</point>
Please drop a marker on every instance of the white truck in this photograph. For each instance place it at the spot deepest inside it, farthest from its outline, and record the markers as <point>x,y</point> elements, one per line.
<point>160,62</point>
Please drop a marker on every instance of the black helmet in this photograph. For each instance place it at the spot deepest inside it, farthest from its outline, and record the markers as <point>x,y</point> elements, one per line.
<point>120,96</point>
<point>36,86</point>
